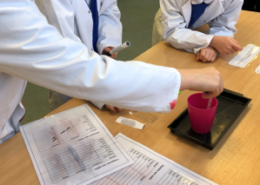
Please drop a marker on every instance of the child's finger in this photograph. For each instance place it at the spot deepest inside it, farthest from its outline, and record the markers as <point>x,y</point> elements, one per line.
<point>114,55</point>
<point>208,56</point>
<point>229,51</point>
<point>119,109</point>
<point>107,49</point>
<point>237,47</point>
<point>236,42</point>
<point>204,57</point>
<point>198,57</point>
<point>111,108</point>
<point>215,57</point>
<point>207,95</point>
<point>212,58</point>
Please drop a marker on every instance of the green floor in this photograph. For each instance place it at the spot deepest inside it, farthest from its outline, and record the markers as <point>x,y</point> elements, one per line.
<point>137,18</point>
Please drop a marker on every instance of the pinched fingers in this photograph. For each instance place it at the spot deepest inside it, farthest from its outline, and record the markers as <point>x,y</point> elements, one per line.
<point>217,86</point>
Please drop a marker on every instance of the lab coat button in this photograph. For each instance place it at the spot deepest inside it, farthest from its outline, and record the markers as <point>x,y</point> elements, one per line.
<point>88,11</point>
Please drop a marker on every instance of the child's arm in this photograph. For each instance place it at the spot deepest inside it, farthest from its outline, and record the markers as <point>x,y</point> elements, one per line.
<point>206,79</point>
<point>175,31</point>
<point>225,45</point>
<point>223,27</point>
<point>44,57</point>
<point>110,27</point>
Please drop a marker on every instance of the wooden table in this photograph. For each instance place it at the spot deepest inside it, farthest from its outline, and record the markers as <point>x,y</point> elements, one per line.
<point>235,160</point>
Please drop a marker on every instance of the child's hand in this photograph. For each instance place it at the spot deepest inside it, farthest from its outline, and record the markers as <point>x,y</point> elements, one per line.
<point>107,50</point>
<point>206,80</point>
<point>225,45</point>
<point>113,109</point>
<point>207,54</point>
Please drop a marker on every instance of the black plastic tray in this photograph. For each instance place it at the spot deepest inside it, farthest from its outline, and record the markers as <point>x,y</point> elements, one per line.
<point>230,106</point>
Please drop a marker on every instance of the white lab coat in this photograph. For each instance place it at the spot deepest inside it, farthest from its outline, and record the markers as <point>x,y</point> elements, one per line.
<point>172,20</point>
<point>73,19</point>
<point>32,50</point>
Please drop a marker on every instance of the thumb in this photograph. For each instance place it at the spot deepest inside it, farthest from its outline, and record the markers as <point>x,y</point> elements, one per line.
<point>237,47</point>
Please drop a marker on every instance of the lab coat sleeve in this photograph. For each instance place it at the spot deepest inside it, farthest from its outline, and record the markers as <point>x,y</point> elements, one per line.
<point>110,27</point>
<point>175,31</point>
<point>224,24</point>
<point>99,105</point>
<point>60,14</point>
<point>33,50</point>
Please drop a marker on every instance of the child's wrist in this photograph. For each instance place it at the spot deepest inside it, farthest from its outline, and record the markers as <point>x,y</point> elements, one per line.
<point>211,44</point>
<point>186,79</point>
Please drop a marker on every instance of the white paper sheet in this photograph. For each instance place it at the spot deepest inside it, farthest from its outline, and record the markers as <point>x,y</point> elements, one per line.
<point>150,168</point>
<point>73,147</point>
<point>130,122</point>
<point>245,56</point>
<point>258,70</point>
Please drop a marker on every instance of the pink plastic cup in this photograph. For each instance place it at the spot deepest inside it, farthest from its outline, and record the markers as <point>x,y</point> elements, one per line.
<point>201,118</point>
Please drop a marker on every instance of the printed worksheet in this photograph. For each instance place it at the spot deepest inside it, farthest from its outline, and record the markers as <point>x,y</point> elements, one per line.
<point>73,147</point>
<point>150,168</point>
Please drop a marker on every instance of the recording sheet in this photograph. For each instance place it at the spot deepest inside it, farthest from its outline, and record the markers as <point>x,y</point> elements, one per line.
<point>150,168</point>
<point>73,147</point>
<point>245,56</point>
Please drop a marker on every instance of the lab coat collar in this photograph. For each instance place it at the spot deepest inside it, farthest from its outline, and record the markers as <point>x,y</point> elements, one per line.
<point>187,8</point>
<point>201,1</point>
<point>213,10</point>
